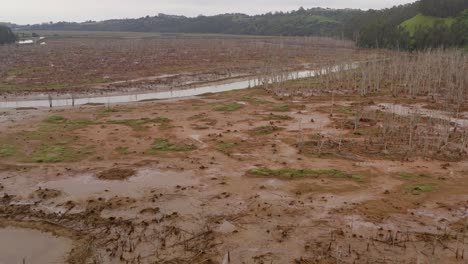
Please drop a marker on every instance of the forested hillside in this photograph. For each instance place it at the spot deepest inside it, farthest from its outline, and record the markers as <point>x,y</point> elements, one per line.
<point>424,24</point>
<point>315,21</point>
<point>6,35</point>
<point>419,25</point>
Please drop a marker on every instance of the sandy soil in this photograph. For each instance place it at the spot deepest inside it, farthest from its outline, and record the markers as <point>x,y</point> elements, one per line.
<point>178,182</point>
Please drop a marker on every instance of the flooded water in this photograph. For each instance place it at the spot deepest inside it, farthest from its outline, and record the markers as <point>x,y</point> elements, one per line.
<point>217,88</point>
<point>86,185</point>
<point>27,41</point>
<point>18,245</point>
<point>419,111</point>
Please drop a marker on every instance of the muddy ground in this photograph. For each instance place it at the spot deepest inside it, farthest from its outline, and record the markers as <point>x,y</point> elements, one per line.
<point>85,65</point>
<point>236,177</point>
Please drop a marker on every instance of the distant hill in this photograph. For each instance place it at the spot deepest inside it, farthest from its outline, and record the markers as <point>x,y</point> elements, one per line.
<point>7,24</point>
<point>302,22</point>
<point>423,24</point>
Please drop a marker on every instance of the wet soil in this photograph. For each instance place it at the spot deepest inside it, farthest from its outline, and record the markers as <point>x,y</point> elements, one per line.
<point>183,190</point>
<point>116,174</point>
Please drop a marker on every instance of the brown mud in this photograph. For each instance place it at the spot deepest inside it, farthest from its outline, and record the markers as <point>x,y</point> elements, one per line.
<point>244,175</point>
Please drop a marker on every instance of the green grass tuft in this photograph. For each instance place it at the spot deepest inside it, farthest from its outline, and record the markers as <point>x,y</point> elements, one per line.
<point>278,117</point>
<point>7,150</point>
<point>164,145</point>
<point>59,152</point>
<point>254,100</point>
<point>265,130</point>
<point>56,120</point>
<point>110,110</point>
<point>138,124</point>
<point>407,175</point>
<point>224,147</point>
<point>342,109</point>
<point>281,108</point>
<point>69,124</point>
<point>228,107</point>
<point>416,190</point>
<point>122,150</point>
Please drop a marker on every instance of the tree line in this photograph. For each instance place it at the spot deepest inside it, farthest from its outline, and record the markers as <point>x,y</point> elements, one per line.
<point>6,35</point>
<point>445,8</point>
<point>301,22</point>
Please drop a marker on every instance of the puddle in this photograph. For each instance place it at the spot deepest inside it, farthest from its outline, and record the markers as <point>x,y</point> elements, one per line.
<point>19,245</point>
<point>83,186</point>
<point>216,88</point>
<point>419,111</point>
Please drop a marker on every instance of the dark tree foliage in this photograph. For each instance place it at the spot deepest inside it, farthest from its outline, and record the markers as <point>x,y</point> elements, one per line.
<point>6,35</point>
<point>381,29</point>
<point>432,37</point>
<point>442,8</point>
<point>460,29</point>
<point>363,24</point>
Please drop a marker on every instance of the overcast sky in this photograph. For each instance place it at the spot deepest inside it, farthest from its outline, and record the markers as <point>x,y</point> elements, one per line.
<point>37,11</point>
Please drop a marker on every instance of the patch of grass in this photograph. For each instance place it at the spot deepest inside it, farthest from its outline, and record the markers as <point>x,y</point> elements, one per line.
<point>122,150</point>
<point>76,124</point>
<point>49,86</point>
<point>409,175</point>
<point>164,145</point>
<point>85,122</point>
<point>278,117</point>
<point>416,190</point>
<point>357,177</point>
<point>342,109</point>
<point>69,124</point>
<point>138,124</point>
<point>197,116</point>
<point>224,147</point>
<point>281,108</point>
<point>316,136</point>
<point>228,107</point>
<point>294,174</point>
<point>254,100</point>
<point>59,152</point>
<point>197,106</point>
<point>55,120</point>
<point>110,110</point>
<point>406,175</point>
<point>7,150</point>
<point>265,130</point>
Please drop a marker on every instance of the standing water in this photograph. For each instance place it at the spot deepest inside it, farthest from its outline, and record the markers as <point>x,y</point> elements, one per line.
<point>217,88</point>
<point>18,245</point>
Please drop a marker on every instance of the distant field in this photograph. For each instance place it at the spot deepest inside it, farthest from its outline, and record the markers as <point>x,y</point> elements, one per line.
<point>424,21</point>
<point>77,60</point>
<point>58,34</point>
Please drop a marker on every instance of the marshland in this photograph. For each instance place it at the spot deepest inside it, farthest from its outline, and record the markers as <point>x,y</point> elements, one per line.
<point>361,160</point>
